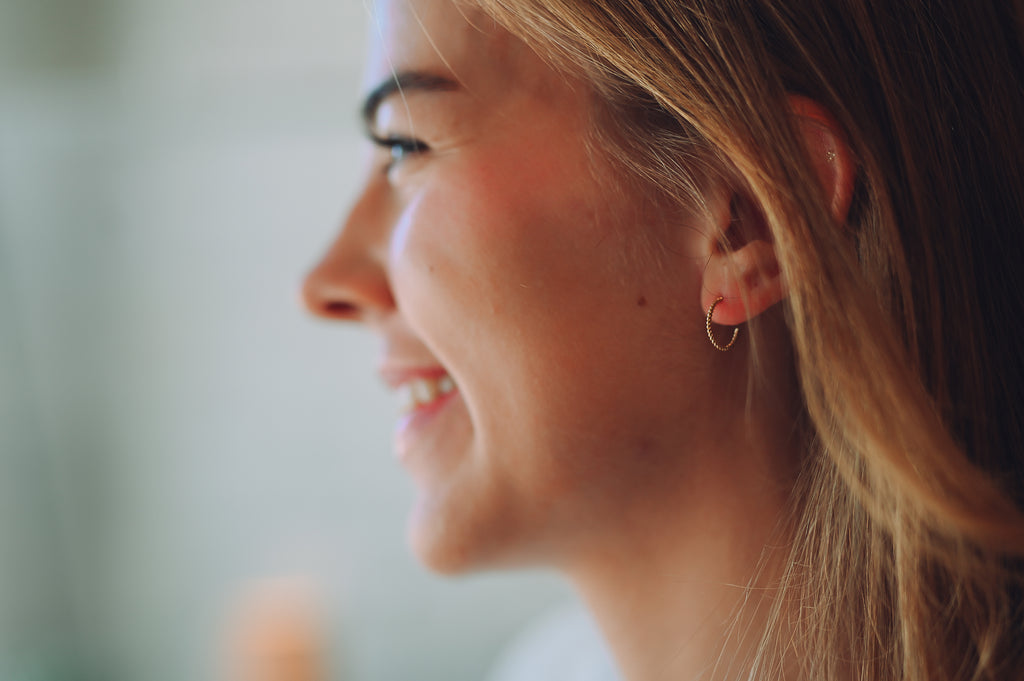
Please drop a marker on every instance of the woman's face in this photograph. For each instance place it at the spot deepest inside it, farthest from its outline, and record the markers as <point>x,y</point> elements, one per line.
<point>551,359</point>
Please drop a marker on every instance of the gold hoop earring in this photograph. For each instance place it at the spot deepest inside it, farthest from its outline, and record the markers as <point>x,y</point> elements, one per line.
<point>711,336</point>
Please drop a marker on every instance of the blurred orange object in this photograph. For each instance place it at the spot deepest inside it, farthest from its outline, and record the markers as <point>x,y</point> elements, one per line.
<point>276,634</point>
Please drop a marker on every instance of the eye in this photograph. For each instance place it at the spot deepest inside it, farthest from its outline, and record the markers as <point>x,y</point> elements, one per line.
<point>400,148</point>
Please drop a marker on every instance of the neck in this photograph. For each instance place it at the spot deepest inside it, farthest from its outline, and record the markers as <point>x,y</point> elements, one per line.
<point>684,613</point>
<point>684,579</point>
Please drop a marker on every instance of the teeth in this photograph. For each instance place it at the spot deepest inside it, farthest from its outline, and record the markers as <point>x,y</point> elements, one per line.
<point>420,392</point>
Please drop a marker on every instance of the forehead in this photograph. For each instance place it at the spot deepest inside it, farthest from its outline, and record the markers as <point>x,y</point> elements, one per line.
<point>454,40</point>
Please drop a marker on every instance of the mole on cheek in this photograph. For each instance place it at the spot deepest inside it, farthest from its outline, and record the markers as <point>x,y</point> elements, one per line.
<point>641,301</point>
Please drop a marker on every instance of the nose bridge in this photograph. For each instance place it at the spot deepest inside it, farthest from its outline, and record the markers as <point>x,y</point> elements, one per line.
<point>351,282</point>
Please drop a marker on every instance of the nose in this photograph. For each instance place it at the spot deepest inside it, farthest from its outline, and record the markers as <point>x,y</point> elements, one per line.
<point>350,283</point>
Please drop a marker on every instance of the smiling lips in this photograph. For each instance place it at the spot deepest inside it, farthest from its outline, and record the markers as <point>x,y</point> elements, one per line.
<point>420,392</point>
<point>423,393</point>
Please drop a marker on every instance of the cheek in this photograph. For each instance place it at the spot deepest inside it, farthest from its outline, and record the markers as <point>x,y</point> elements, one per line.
<point>518,288</point>
<point>490,245</point>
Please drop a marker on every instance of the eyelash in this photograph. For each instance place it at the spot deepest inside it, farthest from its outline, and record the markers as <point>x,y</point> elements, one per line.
<point>401,148</point>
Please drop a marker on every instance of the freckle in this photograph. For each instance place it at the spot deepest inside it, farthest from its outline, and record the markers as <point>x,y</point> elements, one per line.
<point>641,301</point>
<point>430,268</point>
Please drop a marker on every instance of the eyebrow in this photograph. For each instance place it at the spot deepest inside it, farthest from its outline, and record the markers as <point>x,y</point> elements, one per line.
<point>400,83</point>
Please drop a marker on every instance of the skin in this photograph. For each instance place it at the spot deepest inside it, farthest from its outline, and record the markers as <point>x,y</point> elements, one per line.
<point>594,428</point>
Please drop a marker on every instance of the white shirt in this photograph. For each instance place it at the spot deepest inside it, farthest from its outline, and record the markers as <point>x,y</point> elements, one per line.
<point>563,645</point>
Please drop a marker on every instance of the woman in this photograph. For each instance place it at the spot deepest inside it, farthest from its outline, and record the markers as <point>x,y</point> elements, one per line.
<point>709,305</point>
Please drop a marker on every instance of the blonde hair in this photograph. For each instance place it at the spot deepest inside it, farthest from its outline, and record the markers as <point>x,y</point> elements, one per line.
<point>907,534</point>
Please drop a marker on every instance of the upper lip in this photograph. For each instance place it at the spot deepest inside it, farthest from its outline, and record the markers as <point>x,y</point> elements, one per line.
<point>395,374</point>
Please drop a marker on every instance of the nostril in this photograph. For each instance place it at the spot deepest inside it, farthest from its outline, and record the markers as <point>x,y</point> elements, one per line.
<point>345,287</point>
<point>324,296</point>
<point>340,309</point>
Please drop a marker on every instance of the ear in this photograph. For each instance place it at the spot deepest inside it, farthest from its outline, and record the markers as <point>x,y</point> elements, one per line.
<point>743,268</point>
<point>829,152</point>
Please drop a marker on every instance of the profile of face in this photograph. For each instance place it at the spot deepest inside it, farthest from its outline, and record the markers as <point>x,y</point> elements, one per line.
<point>550,349</point>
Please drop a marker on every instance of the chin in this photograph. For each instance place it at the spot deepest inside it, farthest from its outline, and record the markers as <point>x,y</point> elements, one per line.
<point>458,541</point>
<point>442,558</point>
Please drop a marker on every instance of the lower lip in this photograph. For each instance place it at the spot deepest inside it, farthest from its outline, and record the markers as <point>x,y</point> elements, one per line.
<point>415,425</point>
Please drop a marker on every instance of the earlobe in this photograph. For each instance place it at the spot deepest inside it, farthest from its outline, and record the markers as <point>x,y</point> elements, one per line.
<point>747,279</point>
<point>741,266</point>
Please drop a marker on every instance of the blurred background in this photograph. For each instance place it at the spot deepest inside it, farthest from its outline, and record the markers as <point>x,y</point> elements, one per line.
<point>179,442</point>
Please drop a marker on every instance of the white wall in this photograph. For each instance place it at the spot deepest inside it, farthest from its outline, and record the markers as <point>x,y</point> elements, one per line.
<point>173,427</point>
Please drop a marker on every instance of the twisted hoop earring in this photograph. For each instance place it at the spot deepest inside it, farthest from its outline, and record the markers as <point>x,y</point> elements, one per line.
<point>711,336</point>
